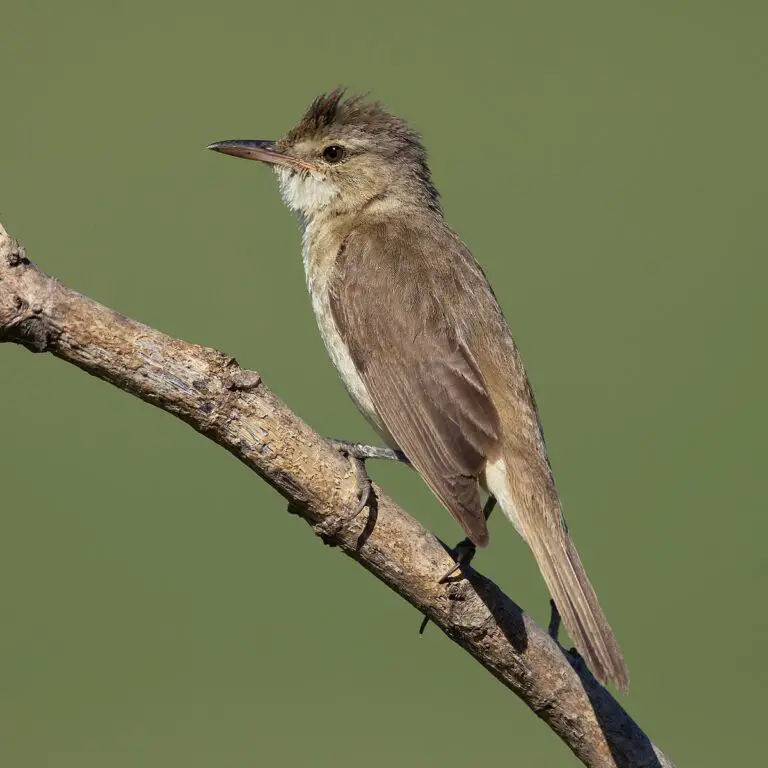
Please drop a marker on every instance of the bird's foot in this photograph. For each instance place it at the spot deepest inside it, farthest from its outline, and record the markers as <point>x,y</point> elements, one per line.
<point>358,454</point>
<point>365,492</point>
<point>465,550</point>
<point>462,553</point>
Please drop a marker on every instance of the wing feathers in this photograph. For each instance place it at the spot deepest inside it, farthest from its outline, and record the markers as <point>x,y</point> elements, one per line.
<point>420,375</point>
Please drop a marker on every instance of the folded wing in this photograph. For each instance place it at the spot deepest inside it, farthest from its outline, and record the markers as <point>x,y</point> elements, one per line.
<point>421,377</point>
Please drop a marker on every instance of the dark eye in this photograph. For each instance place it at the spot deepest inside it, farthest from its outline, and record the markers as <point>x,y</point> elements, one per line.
<point>334,153</point>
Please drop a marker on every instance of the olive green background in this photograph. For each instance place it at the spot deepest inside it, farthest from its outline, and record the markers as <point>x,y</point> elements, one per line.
<point>606,162</point>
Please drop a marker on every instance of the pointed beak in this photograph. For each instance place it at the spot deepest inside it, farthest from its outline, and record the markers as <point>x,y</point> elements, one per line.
<point>260,149</point>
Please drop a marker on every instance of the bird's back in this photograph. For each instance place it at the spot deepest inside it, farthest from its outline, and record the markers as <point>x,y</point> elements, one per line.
<point>428,261</point>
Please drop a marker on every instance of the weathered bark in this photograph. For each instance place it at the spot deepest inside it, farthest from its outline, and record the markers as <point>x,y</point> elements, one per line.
<point>232,407</point>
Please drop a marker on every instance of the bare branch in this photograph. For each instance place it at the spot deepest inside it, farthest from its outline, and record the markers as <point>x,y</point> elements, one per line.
<point>232,407</point>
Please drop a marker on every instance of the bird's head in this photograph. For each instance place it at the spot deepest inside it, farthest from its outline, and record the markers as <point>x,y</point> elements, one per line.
<point>343,155</point>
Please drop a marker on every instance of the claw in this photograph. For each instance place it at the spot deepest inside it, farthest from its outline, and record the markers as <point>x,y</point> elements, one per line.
<point>462,554</point>
<point>358,453</point>
<point>365,487</point>
<point>365,493</point>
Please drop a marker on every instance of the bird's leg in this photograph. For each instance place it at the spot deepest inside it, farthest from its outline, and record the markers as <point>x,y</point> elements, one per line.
<point>554,629</point>
<point>554,621</point>
<point>365,452</point>
<point>358,454</point>
<point>462,553</point>
<point>465,550</point>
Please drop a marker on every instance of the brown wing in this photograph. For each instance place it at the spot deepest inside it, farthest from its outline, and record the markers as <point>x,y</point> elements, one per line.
<point>420,375</point>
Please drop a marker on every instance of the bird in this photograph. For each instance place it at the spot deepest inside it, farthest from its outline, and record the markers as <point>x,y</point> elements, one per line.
<point>418,337</point>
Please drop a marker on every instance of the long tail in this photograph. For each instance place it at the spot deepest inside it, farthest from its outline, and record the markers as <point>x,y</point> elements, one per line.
<point>535,512</point>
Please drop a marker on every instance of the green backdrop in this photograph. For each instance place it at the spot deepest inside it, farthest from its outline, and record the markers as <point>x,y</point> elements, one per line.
<point>606,162</point>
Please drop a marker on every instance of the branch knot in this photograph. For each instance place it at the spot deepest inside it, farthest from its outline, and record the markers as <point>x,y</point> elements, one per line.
<point>17,255</point>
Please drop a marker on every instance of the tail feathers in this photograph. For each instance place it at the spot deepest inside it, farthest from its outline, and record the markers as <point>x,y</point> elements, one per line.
<point>577,603</point>
<point>534,509</point>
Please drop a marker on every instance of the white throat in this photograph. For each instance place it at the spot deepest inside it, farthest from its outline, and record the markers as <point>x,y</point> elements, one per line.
<point>305,193</point>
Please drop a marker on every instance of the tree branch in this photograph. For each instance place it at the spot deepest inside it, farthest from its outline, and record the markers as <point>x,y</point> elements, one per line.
<point>231,406</point>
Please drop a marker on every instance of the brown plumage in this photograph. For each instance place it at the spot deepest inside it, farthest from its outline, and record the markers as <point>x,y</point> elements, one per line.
<point>421,376</point>
<point>418,337</point>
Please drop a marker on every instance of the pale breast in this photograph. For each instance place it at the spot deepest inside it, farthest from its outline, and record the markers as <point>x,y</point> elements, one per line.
<point>318,258</point>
